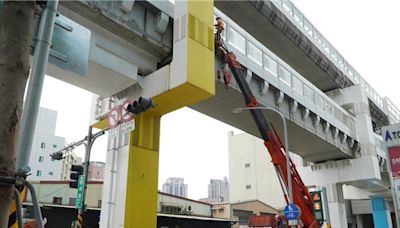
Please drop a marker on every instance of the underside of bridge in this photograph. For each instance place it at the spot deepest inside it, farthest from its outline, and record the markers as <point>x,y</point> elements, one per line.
<point>304,139</point>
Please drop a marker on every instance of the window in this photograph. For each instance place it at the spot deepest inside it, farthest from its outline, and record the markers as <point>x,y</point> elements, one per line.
<point>41,159</point>
<point>319,101</point>
<point>43,145</point>
<point>170,209</point>
<point>255,54</point>
<point>237,40</point>
<point>297,85</point>
<point>243,220</point>
<point>57,200</point>
<point>51,173</point>
<point>71,201</point>
<point>271,65</point>
<point>308,93</point>
<point>39,173</point>
<point>285,76</point>
<point>248,186</point>
<point>247,165</point>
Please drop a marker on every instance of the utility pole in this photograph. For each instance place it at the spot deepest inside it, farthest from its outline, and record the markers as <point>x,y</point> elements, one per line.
<point>88,142</point>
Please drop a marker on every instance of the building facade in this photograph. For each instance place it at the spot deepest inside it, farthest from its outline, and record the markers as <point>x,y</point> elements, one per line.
<point>241,212</point>
<point>96,171</point>
<point>175,186</point>
<point>45,142</point>
<point>67,162</point>
<point>252,175</point>
<point>58,206</point>
<point>219,190</point>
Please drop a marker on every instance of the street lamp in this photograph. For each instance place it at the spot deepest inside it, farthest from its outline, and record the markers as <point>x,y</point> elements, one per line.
<point>289,180</point>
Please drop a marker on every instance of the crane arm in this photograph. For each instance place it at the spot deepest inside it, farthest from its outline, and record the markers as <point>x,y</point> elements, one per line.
<point>301,196</point>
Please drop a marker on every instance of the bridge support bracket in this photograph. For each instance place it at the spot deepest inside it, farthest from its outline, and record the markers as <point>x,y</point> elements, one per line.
<point>126,5</point>
<point>344,138</point>
<point>351,143</point>
<point>306,113</point>
<point>264,88</point>
<point>326,126</point>
<point>293,106</point>
<point>317,119</point>
<point>279,97</point>
<point>335,133</point>
<point>249,76</point>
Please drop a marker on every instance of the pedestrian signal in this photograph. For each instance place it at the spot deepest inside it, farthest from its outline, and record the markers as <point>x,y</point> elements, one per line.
<point>317,206</point>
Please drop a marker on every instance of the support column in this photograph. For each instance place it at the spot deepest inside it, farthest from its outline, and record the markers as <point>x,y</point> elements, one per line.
<point>360,223</point>
<point>131,201</point>
<point>142,182</point>
<point>380,212</point>
<point>337,209</point>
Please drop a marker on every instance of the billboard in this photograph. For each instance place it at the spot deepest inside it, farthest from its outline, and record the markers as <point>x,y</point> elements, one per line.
<point>394,155</point>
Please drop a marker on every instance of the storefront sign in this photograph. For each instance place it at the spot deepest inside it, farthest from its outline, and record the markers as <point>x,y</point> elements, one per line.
<point>394,155</point>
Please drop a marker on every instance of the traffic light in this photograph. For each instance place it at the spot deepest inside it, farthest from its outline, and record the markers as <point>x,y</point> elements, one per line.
<point>317,206</point>
<point>141,105</point>
<point>57,156</point>
<point>76,171</point>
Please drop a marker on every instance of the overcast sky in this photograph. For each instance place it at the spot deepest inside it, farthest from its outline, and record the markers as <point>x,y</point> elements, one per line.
<point>194,146</point>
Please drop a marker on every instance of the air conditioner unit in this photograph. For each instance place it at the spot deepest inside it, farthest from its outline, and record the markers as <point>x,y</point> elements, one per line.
<point>188,209</point>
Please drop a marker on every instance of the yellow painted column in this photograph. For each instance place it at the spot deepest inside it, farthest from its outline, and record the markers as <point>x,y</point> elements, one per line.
<point>142,186</point>
<point>194,67</point>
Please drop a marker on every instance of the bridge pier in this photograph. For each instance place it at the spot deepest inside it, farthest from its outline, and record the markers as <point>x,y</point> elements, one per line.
<point>131,179</point>
<point>380,212</point>
<point>337,210</point>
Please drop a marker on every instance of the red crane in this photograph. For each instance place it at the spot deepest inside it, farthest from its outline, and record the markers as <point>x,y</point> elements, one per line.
<point>272,141</point>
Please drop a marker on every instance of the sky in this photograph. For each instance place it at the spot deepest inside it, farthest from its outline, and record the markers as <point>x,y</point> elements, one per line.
<point>194,146</point>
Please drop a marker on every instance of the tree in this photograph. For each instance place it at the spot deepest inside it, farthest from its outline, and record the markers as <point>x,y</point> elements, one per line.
<point>16,25</point>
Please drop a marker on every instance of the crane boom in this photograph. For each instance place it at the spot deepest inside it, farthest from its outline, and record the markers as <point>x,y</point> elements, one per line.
<point>272,141</point>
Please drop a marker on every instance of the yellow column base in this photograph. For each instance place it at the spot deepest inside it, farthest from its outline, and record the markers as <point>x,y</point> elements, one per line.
<point>142,183</point>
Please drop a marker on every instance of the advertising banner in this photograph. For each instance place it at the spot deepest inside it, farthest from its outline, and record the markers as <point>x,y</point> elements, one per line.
<point>394,155</point>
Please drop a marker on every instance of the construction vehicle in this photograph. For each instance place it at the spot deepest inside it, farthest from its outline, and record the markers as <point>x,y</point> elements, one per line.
<point>272,141</point>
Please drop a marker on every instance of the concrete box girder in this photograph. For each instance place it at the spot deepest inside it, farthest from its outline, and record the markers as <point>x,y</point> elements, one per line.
<point>270,26</point>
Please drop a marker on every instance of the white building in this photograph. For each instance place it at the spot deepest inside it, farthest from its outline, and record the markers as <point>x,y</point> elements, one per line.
<point>175,186</point>
<point>71,159</point>
<point>45,142</point>
<point>252,175</point>
<point>219,190</point>
<point>96,171</point>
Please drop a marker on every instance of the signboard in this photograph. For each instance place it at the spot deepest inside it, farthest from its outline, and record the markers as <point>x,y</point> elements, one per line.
<point>114,117</point>
<point>292,212</point>
<point>391,135</point>
<point>125,114</point>
<point>127,127</point>
<point>394,156</point>
<point>122,129</point>
<point>317,205</point>
<point>79,193</point>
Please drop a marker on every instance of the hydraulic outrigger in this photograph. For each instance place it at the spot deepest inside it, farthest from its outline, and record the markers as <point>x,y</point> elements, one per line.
<point>272,141</point>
